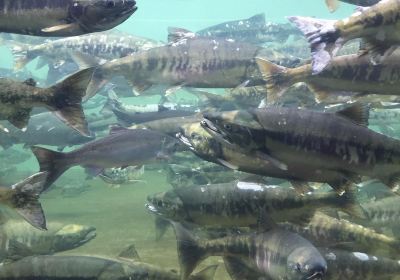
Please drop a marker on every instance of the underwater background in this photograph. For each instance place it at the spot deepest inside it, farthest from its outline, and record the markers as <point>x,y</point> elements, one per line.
<point>119,214</point>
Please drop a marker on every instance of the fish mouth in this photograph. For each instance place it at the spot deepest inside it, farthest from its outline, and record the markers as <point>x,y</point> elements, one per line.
<point>89,236</point>
<point>186,141</point>
<point>152,209</point>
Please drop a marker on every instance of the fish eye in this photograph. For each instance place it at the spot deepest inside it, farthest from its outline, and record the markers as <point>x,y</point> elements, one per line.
<point>227,126</point>
<point>110,4</point>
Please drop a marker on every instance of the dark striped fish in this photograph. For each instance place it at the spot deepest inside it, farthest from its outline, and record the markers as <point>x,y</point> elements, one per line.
<point>242,204</point>
<point>236,157</point>
<point>62,18</point>
<point>275,254</point>
<point>350,73</point>
<point>377,25</point>
<point>314,141</point>
<point>195,62</point>
<point>325,231</point>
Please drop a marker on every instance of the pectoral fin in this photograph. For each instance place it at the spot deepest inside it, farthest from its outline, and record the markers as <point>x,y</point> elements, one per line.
<point>276,162</point>
<point>62,28</point>
<point>20,119</point>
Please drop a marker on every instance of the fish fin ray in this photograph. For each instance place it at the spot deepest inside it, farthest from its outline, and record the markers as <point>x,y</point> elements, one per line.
<point>324,39</point>
<point>129,253</point>
<point>357,113</point>
<point>67,101</point>
<point>276,78</point>
<point>25,199</point>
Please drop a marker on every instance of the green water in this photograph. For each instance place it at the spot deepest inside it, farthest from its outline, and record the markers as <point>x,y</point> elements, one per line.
<point>119,214</point>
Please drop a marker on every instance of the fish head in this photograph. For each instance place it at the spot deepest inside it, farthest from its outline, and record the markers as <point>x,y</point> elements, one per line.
<point>166,204</point>
<point>72,236</point>
<point>306,263</point>
<point>200,141</point>
<point>100,15</point>
<point>234,128</point>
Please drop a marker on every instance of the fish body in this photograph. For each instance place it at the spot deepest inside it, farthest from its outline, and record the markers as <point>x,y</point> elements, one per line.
<point>17,99</point>
<point>383,213</point>
<point>359,266</point>
<point>195,62</point>
<point>169,126</point>
<point>19,240</point>
<point>377,25</point>
<point>88,267</point>
<point>324,230</point>
<point>350,73</point>
<point>62,18</point>
<point>338,141</point>
<point>121,148</point>
<point>252,30</point>
<point>275,254</point>
<point>119,176</point>
<point>241,204</point>
<point>47,129</point>
<point>100,47</point>
<point>133,114</point>
<point>236,157</point>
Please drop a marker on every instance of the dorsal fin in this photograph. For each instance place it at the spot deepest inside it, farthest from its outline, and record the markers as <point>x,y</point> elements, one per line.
<point>175,34</point>
<point>30,82</point>
<point>114,129</point>
<point>257,18</point>
<point>130,253</point>
<point>357,112</point>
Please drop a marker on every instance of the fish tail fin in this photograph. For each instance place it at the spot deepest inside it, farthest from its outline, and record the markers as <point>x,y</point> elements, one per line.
<point>52,162</point>
<point>207,273</point>
<point>24,199</point>
<point>67,101</point>
<point>22,55</point>
<point>96,83</point>
<point>333,5</point>
<point>350,205</point>
<point>276,77</point>
<point>190,251</point>
<point>324,39</point>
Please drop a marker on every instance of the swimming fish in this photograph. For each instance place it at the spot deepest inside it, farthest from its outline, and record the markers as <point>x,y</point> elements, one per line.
<point>334,4</point>
<point>122,148</point>
<point>350,73</point>
<point>63,18</point>
<point>309,140</point>
<point>276,254</point>
<point>242,204</point>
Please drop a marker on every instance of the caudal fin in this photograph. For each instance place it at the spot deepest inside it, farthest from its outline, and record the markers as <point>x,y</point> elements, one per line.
<point>67,100</point>
<point>276,77</point>
<point>206,274</point>
<point>333,5</point>
<point>24,199</point>
<point>52,162</point>
<point>324,39</point>
<point>190,252</point>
